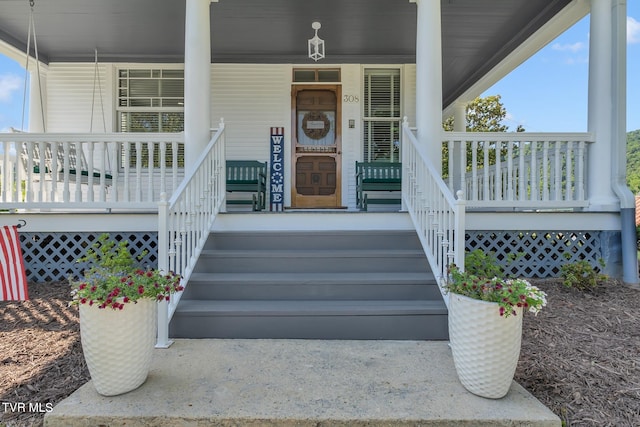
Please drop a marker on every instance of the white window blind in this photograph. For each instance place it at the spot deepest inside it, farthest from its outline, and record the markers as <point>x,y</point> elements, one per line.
<point>151,100</point>
<point>382,115</point>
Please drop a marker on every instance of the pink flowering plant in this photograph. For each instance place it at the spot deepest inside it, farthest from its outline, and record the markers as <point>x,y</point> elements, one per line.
<point>114,280</point>
<point>510,294</point>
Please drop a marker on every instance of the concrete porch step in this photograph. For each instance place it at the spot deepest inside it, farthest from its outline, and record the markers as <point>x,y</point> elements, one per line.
<point>301,383</point>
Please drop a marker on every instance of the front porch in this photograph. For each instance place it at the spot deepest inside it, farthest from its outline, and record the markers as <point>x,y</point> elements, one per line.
<point>516,174</point>
<point>521,178</point>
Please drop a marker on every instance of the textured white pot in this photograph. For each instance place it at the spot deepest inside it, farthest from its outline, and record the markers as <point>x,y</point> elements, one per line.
<point>485,346</point>
<point>118,344</point>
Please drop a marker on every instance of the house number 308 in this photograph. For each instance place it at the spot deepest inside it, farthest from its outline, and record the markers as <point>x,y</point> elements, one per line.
<point>350,98</point>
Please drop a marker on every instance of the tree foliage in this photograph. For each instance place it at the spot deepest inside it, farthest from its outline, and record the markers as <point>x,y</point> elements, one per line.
<point>483,115</point>
<point>633,161</point>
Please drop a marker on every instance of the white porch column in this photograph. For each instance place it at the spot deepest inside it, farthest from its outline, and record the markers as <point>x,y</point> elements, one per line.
<point>197,79</point>
<point>456,157</point>
<point>602,97</point>
<point>460,117</point>
<point>37,99</point>
<point>429,79</point>
<point>607,120</point>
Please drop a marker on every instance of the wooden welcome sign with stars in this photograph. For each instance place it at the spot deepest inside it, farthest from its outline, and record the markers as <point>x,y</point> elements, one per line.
<point>276,171</point>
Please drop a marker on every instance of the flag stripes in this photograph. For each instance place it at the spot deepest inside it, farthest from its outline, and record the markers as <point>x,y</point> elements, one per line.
<point>13,278</point>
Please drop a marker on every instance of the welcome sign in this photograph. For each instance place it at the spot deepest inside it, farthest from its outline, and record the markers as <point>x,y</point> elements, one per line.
<point>276,171</point>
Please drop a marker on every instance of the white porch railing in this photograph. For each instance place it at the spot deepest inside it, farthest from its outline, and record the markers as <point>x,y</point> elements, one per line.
<point>438,216</point>
<point>519,170</point>
<point>88,171</point>
<point>185,220</point>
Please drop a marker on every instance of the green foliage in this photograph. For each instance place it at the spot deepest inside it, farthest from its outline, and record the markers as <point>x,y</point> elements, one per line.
<point>582,275</point>
<point>485,264</point>
<point>483,115</point>
<point>633,161</point>
<point>108,255</point>
<point>482,264</point>
<point>509,294</point>
<point>113,280</point>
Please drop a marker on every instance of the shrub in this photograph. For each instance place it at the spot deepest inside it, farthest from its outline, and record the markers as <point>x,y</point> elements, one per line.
<point>482,264</point>
<point>582,275</point>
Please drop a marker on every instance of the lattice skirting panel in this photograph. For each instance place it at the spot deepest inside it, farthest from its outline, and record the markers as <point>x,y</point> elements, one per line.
<point>53,256</point>
<point>537,254</point>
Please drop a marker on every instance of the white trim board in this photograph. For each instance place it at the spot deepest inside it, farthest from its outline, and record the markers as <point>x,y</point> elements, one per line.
<point>542,221</point>
<point>312,221</point>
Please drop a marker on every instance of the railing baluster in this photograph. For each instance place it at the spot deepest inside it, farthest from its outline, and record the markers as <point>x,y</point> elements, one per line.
<point>580,173</point>
<point>138,184</point>
<point>510,173</point>
<point>54,169</point>
<point>545,171</point>
<point>535,177</point>
<point>116,148</point>
<point>521,172</point>
<point>487,195</point>
<point>66,192</point>
<point>163,167</point>
<point>498,175</point>
<point>103,166</point>
<point>569,173</point>
<point>557,172</point>
<point>150,166</point>
<point>474,169</point>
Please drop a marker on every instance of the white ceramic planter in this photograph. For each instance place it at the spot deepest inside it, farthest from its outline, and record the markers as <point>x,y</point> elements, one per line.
<point>485,346</point>
<point>118,344</point>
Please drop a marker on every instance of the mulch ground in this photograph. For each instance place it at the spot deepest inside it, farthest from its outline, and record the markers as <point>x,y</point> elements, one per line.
<point>580,356</point>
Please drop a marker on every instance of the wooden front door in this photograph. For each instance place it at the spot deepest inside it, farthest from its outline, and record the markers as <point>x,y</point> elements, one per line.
<point>316,147</point>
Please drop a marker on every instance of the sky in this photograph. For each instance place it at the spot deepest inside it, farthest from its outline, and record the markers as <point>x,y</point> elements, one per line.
<point>547,93</point>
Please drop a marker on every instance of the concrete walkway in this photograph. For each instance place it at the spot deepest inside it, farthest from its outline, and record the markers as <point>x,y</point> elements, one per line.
<point>301,383</point>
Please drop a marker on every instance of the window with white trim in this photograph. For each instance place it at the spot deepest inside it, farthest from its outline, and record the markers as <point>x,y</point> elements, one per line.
<point>151,100</point>
<point>381,115</point>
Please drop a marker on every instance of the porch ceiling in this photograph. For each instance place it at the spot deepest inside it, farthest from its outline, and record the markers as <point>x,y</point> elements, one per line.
<point>477,34</point>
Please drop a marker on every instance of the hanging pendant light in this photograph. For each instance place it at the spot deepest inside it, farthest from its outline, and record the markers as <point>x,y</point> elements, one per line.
<point>316,44</point>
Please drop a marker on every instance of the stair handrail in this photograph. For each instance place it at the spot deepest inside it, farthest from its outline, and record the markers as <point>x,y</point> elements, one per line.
<point>437,215</point>
<point>184,222</point>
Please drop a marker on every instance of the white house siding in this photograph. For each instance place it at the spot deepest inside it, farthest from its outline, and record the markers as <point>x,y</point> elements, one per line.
<point>251,98</point>
<point>351,138</point>
<point>70,93</point>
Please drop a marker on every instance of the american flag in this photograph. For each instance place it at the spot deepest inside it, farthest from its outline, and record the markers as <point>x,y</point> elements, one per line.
<point>13,278</point>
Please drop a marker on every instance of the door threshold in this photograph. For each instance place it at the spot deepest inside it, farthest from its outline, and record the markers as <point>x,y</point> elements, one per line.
<point>336,208</point>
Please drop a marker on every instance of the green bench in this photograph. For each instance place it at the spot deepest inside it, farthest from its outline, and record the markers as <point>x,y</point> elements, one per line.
<point>247,176</point>
<point>378,177</point>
